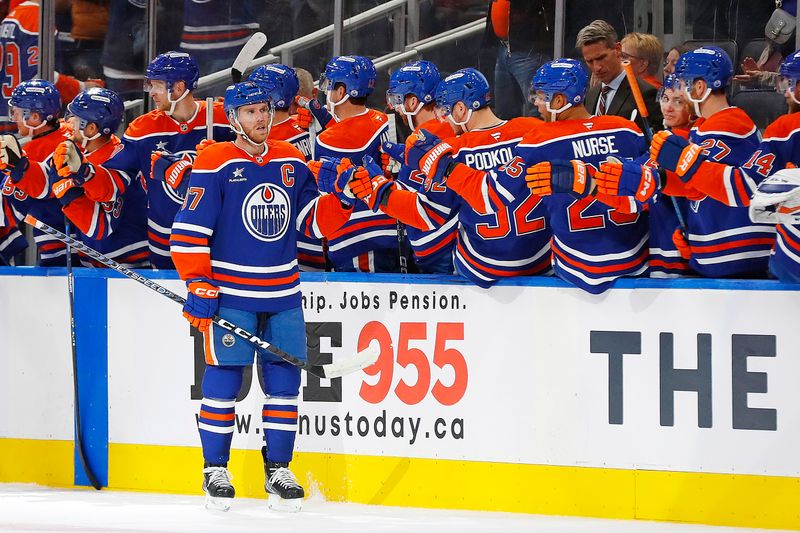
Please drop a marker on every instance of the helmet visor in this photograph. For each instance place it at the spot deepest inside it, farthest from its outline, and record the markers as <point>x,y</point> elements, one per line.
<point>154,86</point>
<point>325,84</point>
<point>785,84</point>
<point>394,100</point>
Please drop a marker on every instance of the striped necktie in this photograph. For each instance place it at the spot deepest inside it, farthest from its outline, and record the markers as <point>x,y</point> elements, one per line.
<point>601,103</point>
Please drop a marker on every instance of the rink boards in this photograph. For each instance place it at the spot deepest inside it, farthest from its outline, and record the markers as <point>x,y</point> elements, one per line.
<point>667,400</point>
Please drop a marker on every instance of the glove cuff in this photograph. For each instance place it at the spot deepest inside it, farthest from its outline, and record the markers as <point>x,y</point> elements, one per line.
<point>70,196</point>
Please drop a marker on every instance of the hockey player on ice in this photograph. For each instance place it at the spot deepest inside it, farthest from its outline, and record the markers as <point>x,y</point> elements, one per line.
<point>234,243</point>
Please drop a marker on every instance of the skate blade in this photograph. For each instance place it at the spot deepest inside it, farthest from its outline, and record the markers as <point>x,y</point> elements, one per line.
<point>218,504</point>
<point>276,503</point>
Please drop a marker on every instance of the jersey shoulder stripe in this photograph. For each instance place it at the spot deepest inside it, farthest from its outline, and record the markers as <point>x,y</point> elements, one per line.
<point>731,122</point>
<point>354,134</point>
<point>26,16</point>
<point>783,128</point>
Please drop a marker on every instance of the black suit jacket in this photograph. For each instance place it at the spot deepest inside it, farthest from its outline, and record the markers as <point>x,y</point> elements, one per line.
<point>623,104</point>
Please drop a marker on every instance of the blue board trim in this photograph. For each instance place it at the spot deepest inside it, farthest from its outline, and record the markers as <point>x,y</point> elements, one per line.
<point>91,332</point>
<point>425,279</point>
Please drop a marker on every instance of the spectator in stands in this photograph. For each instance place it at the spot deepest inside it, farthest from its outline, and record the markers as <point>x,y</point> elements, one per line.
<point>601,51</point>
<point>215,30</point>
<point>522,33</point>
<point>79,50</point>
<point>672,58</point>
<point>644,51</point>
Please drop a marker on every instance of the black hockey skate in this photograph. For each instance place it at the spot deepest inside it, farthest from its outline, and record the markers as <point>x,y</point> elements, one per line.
<point>218,488</point>
<point>285,493</point>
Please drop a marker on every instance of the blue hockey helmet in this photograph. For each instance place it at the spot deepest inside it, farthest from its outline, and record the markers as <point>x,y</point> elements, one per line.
<point>563,76</point>
<point>98,106</point>
<point>419,78</point>
<point>356,73</point>
<point>171,67</point>
<point>708,63</point>
<point>244,93</point>
<point>36,96</point>
<point>790,75</point>
<point>466,85</point>
<point>279,81</point>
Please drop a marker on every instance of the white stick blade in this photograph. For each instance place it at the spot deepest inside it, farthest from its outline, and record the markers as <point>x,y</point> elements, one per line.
<point>359,361</point>
<point>248,52</point>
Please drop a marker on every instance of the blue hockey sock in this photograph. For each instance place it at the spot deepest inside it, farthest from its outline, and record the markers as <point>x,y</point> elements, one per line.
<point>282,384</point>
<point>217,417</point>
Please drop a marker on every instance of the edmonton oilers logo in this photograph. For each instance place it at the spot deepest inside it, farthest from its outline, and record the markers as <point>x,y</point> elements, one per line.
<point>266,212</point>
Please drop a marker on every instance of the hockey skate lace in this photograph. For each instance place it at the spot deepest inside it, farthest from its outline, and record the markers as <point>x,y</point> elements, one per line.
<point>284,477</point>
<point>219,476</point>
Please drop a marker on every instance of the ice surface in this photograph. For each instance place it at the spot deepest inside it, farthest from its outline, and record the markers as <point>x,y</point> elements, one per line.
<point>28,508</point>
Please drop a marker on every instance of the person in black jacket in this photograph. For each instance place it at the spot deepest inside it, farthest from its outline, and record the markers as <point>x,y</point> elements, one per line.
<point>522,33</point>
<point>601,51</point>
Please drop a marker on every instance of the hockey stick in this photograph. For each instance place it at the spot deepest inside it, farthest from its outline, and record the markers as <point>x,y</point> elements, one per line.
<point>401,229</point>
<point>246,55</point>
<point>360,360</point>
<point>210,118</point>
<point>78,437</point>
<point>648,131</point>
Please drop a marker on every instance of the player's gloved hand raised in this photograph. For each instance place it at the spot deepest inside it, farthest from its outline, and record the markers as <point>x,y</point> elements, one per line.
<point>13,161</point>
<point>395,151</point>
<point>69,162</point>
<point>430,155</point>
<point>171,168</point>
<point>308,110</point>
<point>676,154</point>
<point>202,145</point>
<point>370,184</point>
<point>627,179</point>
<point>66,190</point>
<point>332,176</point>
<point>202,302</point>
<point>549,177</point>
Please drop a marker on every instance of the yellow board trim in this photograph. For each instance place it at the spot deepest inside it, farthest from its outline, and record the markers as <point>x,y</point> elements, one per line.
<point>715,499</point>
<point>46,462</point>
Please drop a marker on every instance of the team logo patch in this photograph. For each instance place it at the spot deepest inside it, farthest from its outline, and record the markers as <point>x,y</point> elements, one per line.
<point>266,212</point>
<point>228,340</point>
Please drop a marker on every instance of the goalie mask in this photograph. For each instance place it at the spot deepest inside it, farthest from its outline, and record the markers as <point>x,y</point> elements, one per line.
<point>777,199</point>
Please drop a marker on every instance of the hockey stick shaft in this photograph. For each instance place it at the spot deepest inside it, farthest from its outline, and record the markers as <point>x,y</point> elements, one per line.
<point>648,131</point>
<point>360,360</point>
<point>210,118</point>
<point>77,410</point>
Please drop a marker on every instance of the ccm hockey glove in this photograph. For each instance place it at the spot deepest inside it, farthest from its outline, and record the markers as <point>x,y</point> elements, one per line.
<point>627,179</point>
<point>202,302</point>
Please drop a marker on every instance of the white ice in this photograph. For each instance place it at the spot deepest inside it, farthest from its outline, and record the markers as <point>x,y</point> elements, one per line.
<point>26,508</point>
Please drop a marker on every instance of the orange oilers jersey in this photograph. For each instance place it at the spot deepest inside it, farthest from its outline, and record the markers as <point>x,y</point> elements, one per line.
<point>31,195</point>
<point>431,226</point>
<point>290,131</point>
<point>366,231</point>
<point>501,241</point>
<point>158,131</point>
<point>724,241</point>
<point>592,243</point>
<point>238,225</point>
<point>117,229</point>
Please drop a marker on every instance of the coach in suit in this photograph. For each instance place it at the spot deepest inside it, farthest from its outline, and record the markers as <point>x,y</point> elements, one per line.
<point>598,44</point>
